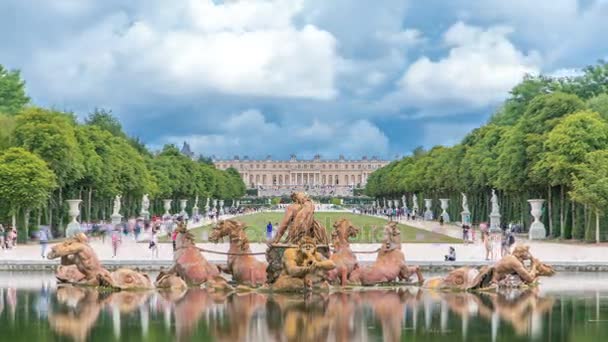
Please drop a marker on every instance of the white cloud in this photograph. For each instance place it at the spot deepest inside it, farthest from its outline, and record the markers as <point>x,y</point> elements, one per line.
<point>250,133</point>
<point>197,46</point>
<point>480,68</point>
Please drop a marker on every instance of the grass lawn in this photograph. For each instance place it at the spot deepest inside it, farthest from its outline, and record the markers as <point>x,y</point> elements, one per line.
<point>257,228</point>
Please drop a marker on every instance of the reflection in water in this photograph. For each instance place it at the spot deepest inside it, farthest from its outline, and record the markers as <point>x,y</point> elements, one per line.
<point>372,314</point>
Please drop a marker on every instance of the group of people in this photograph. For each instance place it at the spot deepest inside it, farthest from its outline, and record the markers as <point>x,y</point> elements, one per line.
<point>8,237</point>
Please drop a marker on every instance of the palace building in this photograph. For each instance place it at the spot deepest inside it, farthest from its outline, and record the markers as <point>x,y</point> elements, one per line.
<point>321,177</point>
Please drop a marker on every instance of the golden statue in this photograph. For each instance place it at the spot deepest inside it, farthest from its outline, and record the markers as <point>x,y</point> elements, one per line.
<point>303,267</point>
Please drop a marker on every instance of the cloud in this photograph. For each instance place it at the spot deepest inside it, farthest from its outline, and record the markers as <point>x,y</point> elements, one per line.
<point>250,133</point>
<point>195,47</point>
<point>482,65</point>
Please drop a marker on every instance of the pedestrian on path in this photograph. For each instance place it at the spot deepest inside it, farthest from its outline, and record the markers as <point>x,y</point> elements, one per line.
<point>43,237</point>
<point>116,241</point>
<point>269,231</point>
<point>154,244</point>
<point>2,237</point>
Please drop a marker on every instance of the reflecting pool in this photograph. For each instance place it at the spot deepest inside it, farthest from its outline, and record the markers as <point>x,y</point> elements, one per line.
<point>567,307</point>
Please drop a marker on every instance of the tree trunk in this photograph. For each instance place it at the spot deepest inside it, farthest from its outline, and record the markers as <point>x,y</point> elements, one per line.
<point>562,224</point>
<point>89,204</point>
<point>597,226</point>
<point>26,223</point>
<point>549,211</point>
<point>60,212</point>
<point>573,220</point>
<point>14,220</point>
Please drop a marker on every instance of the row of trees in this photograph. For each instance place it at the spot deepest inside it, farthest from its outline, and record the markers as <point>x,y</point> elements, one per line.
<point>549,140</point>
<point>47,156</point>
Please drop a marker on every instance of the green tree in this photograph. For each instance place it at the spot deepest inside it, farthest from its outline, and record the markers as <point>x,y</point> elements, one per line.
<point>26,183</point>
<point>105,120</point>
<point>590,185</point>
<point>7,129</point>
<point>599,104</point>
<point>12,92</point>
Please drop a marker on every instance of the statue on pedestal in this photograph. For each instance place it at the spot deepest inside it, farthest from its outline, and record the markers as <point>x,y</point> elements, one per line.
<point>495,214</point>
<point>145,206</point>
<point>116,210</point>
<point>465,214</point>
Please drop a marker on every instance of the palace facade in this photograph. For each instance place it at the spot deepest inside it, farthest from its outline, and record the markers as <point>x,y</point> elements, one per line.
<point>296,172</point>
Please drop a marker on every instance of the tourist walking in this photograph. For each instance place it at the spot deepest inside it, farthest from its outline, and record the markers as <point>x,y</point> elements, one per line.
<point>269,231</point>
<point>43,237</point>
<point>174,238</point>
<point>154,243</point>
<point>2,237</point>
<point>116,241</point>
<point>487,242</point>
<point>465,233</point>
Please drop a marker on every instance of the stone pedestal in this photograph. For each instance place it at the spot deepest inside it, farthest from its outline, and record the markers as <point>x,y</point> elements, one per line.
<point>444,207</point>
<point>73,227</point>
<point>465,217</point>
<point>428,213</point>
<point>495,223</point>
<point>116,219</point>
<point>537,229</point>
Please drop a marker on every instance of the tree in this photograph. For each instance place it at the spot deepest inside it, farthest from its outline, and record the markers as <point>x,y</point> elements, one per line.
<point>105,120</point>
<point>599,104</point>
<point>12,92</point>
<point>7,129</point>
<point>26,182</point>
<point>590,185</point>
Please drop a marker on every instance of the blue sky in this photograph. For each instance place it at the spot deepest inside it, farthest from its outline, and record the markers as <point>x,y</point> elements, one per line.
<point>351,77</point>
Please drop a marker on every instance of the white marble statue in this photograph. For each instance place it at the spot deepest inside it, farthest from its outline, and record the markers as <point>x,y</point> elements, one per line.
<point>116,210</point>
<point>465,202</point>
<point>415,202</point>
<point>145,203</point>
<point>494,200</point>
<point>196,201</point>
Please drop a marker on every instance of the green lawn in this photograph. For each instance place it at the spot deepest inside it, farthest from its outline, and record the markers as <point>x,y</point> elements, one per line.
<point>257,228</point>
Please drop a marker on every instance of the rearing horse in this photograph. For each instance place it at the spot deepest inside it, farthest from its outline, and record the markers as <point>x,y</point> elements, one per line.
<point>245,268</point>
<point>343,256</point>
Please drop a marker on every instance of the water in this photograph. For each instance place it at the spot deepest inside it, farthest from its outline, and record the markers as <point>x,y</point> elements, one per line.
<point>567,307</point>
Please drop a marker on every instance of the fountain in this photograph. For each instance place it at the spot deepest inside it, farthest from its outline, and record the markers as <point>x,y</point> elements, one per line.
<point>428,213</point>
<point>537,228</point>
<point>444,207</point>
<point>73,227</point>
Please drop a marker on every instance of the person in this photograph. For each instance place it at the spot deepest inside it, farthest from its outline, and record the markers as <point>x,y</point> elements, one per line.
<point>441,220</point>
<point>116,240</point>
<point>269,231</point>
<point>11,237</point>
<point>507,241</point>
<point>451,256</point>
<point>465,233</point>
<point>2,233</point>
<point>487,244</point>
<point>174,239</point>
<point>154,243</point>
<point>43,236</point>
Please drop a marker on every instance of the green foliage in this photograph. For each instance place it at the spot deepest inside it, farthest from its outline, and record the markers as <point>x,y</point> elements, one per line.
<point>25,179</point>
<point>7,128</point>
<point>105,120</point>
<point>590,185</point>
<point>538,144</point>
<point>12,92</point>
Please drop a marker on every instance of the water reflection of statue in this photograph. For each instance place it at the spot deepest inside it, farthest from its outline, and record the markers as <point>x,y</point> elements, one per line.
<point>116,210</point>
<point>299,220</point>
<point>494,201</point>
<point>77,321</point>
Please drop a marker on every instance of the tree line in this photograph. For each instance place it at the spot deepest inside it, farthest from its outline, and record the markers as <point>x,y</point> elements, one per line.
<point>48,156</point>
<point>548,140</point>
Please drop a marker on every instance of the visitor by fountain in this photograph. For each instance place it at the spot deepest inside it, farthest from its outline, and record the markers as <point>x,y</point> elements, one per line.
<point>487,242</point>
<point>269,231</point>
<point>43,237</point>
<point>451,256</point>
<point>465,233</point>
<point>116,240</point>
<point>154,243</point>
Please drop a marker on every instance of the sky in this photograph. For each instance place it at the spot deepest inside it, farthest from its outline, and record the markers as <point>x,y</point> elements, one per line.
<point>304,77</point>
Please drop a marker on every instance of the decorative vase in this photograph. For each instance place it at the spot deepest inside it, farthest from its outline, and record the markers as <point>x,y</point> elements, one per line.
<point>182,205</point>
<point>73,227</point>
<point>167,206</point>
<point>428,214</point>
<point>537,228</point>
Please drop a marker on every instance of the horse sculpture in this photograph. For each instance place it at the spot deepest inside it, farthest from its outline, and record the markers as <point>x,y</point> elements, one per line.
<point>244,268</point>
<point>389,265</point>
<point>343,256</point>
<point>191,265</point>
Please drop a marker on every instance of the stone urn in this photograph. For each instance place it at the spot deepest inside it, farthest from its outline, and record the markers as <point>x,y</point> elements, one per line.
<point>73,227</point>
<point>444,207</point>
<point>428,213</point>
<point>167,207</point>
<point>182,206</point>
<point>537,228</point>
